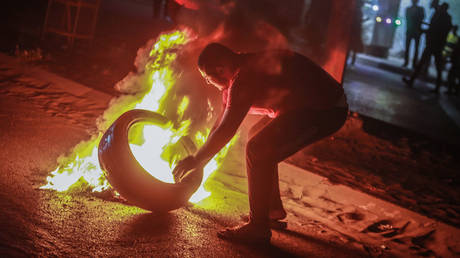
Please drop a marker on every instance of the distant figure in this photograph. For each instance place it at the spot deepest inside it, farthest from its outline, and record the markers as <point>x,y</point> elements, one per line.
<point>452,40</point>
<point>453,78</point>
<point>356,42</point>
<point>436,35</point>
<point>414,19</point>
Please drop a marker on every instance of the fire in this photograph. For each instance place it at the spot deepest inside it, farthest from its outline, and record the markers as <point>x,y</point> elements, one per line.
<point>152,146</point>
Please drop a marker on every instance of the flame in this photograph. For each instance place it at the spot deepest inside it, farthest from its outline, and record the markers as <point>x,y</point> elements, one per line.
<point>153,146</point>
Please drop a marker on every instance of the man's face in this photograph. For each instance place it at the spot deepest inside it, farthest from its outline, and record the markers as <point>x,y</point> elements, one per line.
<point>219,77</point>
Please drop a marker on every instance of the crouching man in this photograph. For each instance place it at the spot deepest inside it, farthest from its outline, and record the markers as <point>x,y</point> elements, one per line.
<point>303,103</point>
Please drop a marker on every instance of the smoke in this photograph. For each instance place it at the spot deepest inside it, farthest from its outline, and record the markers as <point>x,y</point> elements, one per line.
<point>242,25</point>
<point>318,29</point>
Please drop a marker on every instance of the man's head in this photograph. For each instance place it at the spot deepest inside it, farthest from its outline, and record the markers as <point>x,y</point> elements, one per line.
<point>444,7</point>
<point>217,64</point>
<point>415,2</point>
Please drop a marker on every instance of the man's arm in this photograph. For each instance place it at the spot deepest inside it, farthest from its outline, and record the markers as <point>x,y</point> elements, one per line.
<point>237,107</point>
<point>219,118</point>
<point>223,133</point>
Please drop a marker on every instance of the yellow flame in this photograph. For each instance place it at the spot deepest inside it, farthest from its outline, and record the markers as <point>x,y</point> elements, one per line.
<point>83,165</point>
<point>212,166</point>
<point>183,106</point>
<point>154,147</point>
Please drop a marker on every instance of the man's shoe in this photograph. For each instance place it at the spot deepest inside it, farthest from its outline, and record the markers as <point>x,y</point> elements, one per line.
<point>247,233</point>
<point>409,83</point>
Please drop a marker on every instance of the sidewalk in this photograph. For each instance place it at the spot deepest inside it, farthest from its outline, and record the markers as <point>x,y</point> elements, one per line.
<point>375,89</point>
<point>393,64</point>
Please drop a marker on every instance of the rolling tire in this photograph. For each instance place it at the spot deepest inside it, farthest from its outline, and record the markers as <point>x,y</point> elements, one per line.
<point>130,179</point>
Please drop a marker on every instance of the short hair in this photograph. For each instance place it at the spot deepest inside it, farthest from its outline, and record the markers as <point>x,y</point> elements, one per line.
<point>213,55</point>
<point>445,6</point>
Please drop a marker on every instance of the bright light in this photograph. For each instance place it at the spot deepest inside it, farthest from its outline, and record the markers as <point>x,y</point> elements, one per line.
<point>388,20</point>
<point>375,8</point>
<point>154,147</point>
<point>378,19</point>
<point>398,22</point>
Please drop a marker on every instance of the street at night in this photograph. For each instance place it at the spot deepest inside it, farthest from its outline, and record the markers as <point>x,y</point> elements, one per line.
<point>385,184</point>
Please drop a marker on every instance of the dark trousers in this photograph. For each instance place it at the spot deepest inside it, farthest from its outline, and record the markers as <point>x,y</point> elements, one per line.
<point>453,79</point>
<point>279,139</point>
<point>425,61</point>
<point>409,38</point>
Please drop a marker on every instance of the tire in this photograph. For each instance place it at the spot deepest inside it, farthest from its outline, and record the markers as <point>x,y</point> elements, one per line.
<point>130,179</point>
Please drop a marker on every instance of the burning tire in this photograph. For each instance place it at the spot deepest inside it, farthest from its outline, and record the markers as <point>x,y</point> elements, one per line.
<point>130,179</point>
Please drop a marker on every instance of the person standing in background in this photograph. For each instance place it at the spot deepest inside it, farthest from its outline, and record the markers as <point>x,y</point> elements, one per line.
<point>436,36</point>
<point>453,78</point>
<point>356,42</point>
<point>414,19</point>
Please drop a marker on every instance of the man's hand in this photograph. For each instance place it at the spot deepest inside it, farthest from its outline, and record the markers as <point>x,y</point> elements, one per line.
<point>183,167</point>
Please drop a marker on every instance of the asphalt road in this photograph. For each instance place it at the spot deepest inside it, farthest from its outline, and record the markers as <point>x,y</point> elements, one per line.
<point>41,121</point>
<point>381,94</point>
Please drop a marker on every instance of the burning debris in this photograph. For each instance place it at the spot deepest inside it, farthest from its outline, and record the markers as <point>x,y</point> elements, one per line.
<point>155,147</point>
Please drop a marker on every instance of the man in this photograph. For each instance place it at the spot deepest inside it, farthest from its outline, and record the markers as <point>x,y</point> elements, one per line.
<point>453,77</point>
<point>356,40</point>
<point>304,102</point>
<point>435,40</point>
<point>451,41</point>
<point>414,19</point>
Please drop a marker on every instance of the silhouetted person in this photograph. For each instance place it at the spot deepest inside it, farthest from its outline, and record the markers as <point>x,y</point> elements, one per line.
<point>435,41</point>
<point>356,41</point>
<point>414,19</point>
<point>453,78</point>
<point>304,103</point>
<point>451,41</point>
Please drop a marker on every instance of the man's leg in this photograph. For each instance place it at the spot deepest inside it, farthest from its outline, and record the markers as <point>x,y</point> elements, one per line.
<point>353,58</point>
<point>281,138</point>
<point>426,55</point>
<point>439,62</point>
<point>276,209</point>
<point>415,58</point>
<point>451,80</point>
<point>407,50</point>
